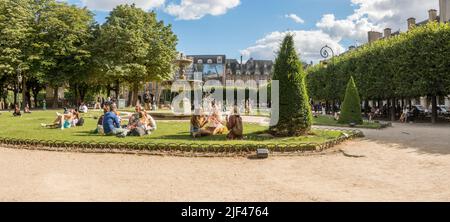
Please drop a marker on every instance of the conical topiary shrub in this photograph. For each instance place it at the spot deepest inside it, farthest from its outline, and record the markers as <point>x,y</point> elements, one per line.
<point>351,107</point>
<point>295,117</point>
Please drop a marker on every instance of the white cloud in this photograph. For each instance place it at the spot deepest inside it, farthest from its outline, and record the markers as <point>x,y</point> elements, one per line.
<point>197,9</point>
<point>108,5</point>
<point>376,15</point>
<point>346,28</point>
<point>368,15</point>
<point>295,18</point>
<point>308,44</point>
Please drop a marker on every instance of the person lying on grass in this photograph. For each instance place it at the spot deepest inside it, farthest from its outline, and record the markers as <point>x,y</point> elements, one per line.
<point>64,121</point>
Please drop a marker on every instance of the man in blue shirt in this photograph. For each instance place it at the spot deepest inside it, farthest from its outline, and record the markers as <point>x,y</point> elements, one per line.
<point>111,122</point>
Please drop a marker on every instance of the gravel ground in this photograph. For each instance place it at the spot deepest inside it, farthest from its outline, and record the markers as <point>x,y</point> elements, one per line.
<point>402,163</point>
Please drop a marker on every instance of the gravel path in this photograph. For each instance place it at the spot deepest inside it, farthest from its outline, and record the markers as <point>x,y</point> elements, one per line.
<point>402,163</point>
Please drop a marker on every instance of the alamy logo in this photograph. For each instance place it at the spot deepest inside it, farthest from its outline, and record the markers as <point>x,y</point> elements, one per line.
<point>212,94</point>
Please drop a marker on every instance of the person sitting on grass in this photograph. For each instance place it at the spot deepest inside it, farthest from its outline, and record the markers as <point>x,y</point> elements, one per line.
<point>234,125</point>
<point>111,122</point>
<point>83,108</point>
<point>137,122</point>
<point>27,109</point>
<point>151,124</point>
<point>99,129</point>
<point>62,121</point>
<point>215,121</point>
<point>17,111</point>
<point>336,116</point>
<point>198,123</point>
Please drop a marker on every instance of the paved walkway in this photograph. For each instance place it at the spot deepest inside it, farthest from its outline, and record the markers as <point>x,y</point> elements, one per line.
<point>402,163</point>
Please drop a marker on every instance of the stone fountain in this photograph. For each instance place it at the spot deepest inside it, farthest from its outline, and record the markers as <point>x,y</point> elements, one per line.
<point>185,106</point>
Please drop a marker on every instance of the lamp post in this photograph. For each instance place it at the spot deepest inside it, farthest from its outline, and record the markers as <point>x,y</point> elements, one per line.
<point>327,52</point>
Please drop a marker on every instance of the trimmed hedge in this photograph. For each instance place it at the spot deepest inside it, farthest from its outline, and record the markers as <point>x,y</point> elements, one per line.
<point>295,117</point>
<point>351,108</point>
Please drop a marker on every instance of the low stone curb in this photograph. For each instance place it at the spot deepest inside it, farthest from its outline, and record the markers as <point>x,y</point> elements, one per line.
<point>175,149</point>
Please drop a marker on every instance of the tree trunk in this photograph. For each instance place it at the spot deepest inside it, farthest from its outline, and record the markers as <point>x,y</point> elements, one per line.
<point>333,108</point>
<point>35,91</point>
<point>130,98</point>
<point>16,90</point>
<point>108,91</point>
<point>117,90</point>
<point>434,113</point>
<point>135,93</point>
<point>55,97</point>
<point>366,107</point>
<point>35,96</point>
<point>82,93</point>
<point>158,96</point>
<point>76,96</point>
<point>393,117</point>
<point>28,97</point>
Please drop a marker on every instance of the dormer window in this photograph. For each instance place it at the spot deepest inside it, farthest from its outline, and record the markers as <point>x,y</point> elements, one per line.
<point>209,61</point>
<point>219,60</point>
<point>200,61</point>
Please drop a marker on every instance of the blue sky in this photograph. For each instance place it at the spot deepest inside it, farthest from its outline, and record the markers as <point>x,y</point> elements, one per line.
<point>253,28</point>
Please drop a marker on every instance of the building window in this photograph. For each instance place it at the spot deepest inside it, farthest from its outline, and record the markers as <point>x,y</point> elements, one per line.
<point>219,59</point>
<point>200,61</point>
<point>209,61</point>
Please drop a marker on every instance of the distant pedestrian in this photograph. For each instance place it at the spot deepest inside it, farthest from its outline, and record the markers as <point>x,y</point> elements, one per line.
<point>147,100</point>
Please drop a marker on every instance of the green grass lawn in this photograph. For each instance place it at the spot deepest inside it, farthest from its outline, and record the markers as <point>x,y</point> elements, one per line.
<point>28,127</point>
<point>329,121</point>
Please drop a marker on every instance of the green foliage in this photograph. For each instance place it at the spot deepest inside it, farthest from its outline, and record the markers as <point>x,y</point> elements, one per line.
<point>408,65</point>
<point>133,46</point>
<point>295,116</point>
<point>52,43</point>
<point>351,107</point>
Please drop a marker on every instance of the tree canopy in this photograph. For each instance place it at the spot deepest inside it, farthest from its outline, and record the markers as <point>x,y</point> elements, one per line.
<point>49,43</point>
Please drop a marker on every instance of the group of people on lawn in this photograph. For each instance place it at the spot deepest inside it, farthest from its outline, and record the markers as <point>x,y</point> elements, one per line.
<point>203,125</point>
<point>139,123</point>
<point>68,119</point>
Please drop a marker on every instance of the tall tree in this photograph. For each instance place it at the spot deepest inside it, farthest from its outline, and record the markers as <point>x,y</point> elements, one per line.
<point>135,47</point>
<point>65,32</point>
<point>15,28</point>
<point>295,110</point>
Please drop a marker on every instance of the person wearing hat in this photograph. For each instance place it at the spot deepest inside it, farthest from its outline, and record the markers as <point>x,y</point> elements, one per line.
<point>234,125</point>
<point>198,123</point>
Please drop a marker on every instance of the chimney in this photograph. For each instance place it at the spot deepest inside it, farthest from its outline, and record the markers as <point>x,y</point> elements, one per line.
<point>444,9</point>
<point>374,36</point>
<point>411,23</point>
<point>387,33</point>
<point>432,15</point>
